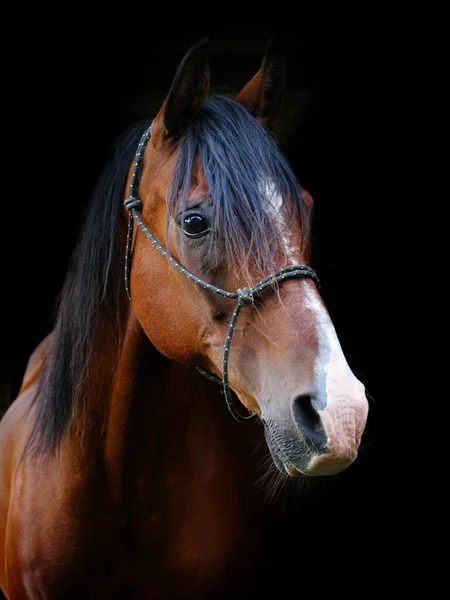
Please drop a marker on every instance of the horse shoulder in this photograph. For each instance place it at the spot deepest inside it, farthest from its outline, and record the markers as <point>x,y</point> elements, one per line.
<point>15,427</point>
<point>35,363</point>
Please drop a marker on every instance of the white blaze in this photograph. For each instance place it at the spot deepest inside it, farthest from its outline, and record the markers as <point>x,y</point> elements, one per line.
<point>345,413</point>
<point>330,358</point>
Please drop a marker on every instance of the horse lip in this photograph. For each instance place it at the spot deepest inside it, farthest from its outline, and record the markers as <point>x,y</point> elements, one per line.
<point>281,463</point>
<point>293,472</point>
<point>284,465</point>
<point>276,457</point>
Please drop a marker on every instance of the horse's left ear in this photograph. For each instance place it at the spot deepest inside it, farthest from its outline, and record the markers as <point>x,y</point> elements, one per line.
<point>187,94</point>
<point>263,94</point>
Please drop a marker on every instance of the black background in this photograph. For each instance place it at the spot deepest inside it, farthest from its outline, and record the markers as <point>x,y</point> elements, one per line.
<point>72,91</point>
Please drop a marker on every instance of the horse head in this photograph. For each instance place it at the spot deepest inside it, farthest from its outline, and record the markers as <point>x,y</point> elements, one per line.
<point>224,206</point>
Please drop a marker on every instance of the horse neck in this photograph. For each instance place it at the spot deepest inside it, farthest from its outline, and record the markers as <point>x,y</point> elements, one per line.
<point>163,417</point>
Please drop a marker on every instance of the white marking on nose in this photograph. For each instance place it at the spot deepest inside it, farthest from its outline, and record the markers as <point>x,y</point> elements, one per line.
<point>275,204</point>
<point>342,396</point>
<point>330,358</point>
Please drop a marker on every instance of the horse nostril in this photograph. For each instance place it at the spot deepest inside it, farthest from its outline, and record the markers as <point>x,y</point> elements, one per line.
<point>308,421</point>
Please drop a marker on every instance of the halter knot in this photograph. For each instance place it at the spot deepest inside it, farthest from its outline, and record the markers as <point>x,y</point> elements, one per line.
<point>245,296</point>
<point>132,202</point>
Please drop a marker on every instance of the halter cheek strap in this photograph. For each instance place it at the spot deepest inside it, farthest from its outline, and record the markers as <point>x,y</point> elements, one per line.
<point>244,296</point>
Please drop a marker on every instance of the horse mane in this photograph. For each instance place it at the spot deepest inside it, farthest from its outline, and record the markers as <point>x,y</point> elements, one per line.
<point>93,283</point>
<point>238,156</point>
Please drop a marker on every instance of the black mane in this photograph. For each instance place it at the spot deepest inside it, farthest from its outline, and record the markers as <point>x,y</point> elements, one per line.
<point>94,282</point>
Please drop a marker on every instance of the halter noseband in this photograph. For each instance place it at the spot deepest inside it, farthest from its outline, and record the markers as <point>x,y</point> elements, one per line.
<point>244,296</point>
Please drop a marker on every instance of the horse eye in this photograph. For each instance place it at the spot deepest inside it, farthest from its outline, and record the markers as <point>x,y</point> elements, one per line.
<point>194,225</point>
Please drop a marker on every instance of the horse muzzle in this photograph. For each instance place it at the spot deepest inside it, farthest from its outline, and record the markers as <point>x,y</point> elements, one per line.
<point>311,441</point>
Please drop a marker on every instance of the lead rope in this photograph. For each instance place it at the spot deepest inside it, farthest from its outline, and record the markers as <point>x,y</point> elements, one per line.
<point>244,296</point>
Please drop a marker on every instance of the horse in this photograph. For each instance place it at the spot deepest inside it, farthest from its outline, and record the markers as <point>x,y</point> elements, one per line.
<point>192,356</point>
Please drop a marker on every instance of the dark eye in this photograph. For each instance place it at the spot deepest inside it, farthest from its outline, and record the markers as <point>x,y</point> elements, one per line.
<point>194,225</point>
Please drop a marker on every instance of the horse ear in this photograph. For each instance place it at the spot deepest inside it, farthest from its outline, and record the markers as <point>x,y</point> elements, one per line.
<point>263,94</point>
<point>187,93</point>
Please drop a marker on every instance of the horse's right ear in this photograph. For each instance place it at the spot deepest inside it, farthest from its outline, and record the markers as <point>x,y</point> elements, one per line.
<point>187,94</point>
<point>263,94</point>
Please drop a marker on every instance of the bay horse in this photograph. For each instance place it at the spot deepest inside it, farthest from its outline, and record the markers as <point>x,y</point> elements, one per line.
<point>189,297</point>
